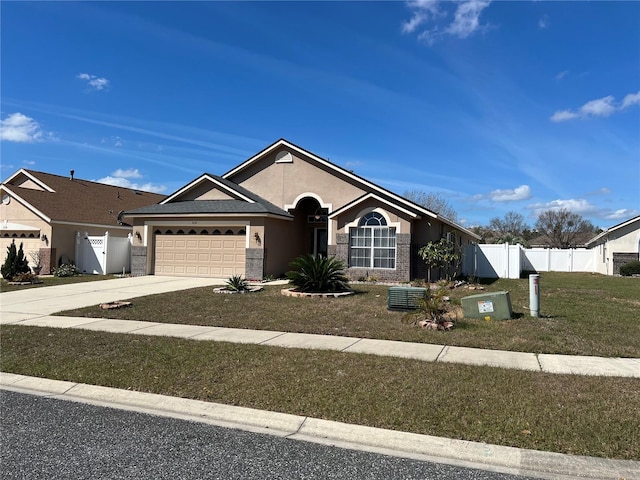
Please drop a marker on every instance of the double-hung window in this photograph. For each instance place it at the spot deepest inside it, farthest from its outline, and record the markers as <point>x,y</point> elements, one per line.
<point>372,244</point>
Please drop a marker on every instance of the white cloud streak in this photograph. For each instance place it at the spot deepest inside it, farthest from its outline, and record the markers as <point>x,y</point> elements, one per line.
<point>20,128</point>
<point>584,208</point>
<point>600,107</point>
<point>426,14</point>
<point>95,82</point>
<point>123,178</point>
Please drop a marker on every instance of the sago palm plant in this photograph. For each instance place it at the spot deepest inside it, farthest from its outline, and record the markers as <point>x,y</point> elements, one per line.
<point>315,273</point>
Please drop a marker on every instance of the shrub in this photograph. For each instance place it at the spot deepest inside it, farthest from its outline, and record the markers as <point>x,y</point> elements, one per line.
<point>631,268</point>
<point>66,270</point>
<point>315,273</point>
<point>237,283</point>
<point>15,263</point>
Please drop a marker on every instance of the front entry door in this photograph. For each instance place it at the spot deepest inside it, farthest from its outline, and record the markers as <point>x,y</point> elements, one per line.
<point>320,241</point>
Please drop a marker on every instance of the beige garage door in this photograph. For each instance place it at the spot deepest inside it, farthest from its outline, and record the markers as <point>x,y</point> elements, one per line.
<point>200,255</point>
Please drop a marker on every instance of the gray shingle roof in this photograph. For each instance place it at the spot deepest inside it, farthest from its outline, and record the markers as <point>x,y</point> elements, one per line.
<point>260,205</point>
<point>209,206</point>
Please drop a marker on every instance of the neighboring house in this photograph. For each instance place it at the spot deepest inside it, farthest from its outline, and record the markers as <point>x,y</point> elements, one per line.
<point>281,203</point>
<point>47,213</point>
<point>616,246</point>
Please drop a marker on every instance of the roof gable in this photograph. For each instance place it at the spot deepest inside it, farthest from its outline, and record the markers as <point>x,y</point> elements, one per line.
<point>391,198</point>
<point>378,199</point>
<point>25,179</point>
<point>610,230</point>
<point>67,200</point>
<point>209,187</point>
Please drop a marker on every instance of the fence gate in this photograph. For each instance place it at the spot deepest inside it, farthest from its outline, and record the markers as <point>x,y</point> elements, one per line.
<point>90,253</point>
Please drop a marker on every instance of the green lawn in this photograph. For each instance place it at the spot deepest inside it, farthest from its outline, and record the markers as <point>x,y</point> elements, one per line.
<point>581,314</point>
<point>50,281</point>
<point>561,413</point>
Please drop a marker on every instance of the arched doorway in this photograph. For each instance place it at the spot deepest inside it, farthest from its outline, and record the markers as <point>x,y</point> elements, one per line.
<point>311,223</point>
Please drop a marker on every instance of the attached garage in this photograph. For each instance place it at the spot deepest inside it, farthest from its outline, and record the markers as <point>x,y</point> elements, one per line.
<point>219,254</point>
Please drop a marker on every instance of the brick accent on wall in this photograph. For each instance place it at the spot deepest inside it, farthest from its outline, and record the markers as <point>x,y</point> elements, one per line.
<point>620,259</point>
<point>138,261</point>
<point>47,260</point>
<point>254,264</point>
<point>402,272</point>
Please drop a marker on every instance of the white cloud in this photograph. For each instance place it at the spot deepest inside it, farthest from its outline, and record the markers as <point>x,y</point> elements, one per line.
<point>97,83</point>
<point>543,22</point>
<point>426,14</point>
<point>121,178</point>
<point>562,74</point>
<point>601,107</point>
<point>20,128</point>
<point>631,99</point>
<point>579,206</point>
<point>128,173</point>
<point>422,12</point>
<point>622,214</point>
<point>29,163</point>
<point>584,208</point>
<point>523,192</point>
<point>467,18</point>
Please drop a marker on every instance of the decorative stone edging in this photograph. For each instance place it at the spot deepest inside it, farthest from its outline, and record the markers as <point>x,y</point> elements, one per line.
<point>291,292</point>
<point>248,290</point>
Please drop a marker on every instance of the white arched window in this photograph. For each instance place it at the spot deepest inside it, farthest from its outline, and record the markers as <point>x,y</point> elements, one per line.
<point>372,244</point>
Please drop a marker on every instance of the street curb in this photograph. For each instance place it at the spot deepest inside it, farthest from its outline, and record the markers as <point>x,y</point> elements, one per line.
<point>463,453</point>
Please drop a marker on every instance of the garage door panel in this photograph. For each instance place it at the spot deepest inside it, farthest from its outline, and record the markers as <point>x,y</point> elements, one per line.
<point>200,255</point>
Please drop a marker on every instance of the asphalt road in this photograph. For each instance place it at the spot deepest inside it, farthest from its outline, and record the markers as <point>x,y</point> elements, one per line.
<point>44,438</point>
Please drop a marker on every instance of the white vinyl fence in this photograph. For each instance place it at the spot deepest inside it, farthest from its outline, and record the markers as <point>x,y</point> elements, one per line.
<point>103,254</point>
<point>509,261</point>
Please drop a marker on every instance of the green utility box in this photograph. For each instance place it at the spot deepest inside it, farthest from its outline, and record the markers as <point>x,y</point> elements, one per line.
<point>405,298</point>
<point>490,306</point>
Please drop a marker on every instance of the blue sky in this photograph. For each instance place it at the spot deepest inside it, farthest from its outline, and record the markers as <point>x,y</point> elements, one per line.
<point>496,106</point>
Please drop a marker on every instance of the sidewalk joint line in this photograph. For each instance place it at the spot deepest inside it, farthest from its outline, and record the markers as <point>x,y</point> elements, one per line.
<point>440,353</point>
<point>538,360</point>
<point>298,429</point>
<point>349,346</point>
<point>269,339</point>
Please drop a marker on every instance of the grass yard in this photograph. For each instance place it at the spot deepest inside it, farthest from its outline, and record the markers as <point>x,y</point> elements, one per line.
<point>562,413</point>
<point>50,281</point>
<point>581,314</point>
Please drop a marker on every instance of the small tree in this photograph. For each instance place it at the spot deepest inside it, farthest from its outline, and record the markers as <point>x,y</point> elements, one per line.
<point>443,254</point>
<point>16,263</point>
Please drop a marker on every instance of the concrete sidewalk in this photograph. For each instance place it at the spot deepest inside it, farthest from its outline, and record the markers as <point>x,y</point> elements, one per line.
<point>34,307</point>
<point>516,461</point>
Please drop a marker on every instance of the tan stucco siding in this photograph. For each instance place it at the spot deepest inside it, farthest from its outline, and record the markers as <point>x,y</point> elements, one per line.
<point>395,218</point>
<point>625,239</point>
<point>282,183</point>
<point>205,191</point>
<point>282,245</point>
<point>23,181</point>
<point>15,212</point>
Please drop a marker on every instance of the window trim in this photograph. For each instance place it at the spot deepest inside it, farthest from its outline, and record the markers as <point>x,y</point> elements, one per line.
<point>391,226</point>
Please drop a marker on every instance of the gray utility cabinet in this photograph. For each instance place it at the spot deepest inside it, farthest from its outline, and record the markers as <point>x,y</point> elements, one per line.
<point>490,306</point>
<point>405,298</point>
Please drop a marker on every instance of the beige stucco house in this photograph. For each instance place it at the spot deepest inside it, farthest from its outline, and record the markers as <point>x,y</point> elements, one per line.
<point>47,213</point>
<point>281,203</point>
<point>616,246</point>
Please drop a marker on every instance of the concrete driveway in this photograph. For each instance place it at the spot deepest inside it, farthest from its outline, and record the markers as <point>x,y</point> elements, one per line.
<point>34,302</point>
